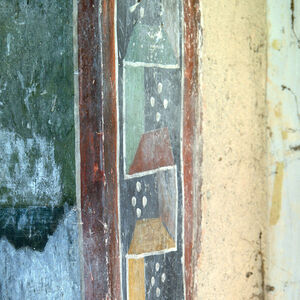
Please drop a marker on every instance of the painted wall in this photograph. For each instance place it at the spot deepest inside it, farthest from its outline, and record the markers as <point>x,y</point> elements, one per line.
<point>150,77</point>
<point>231,262</point>
<point>238,213</point>
<point>283,92</point>
<point>39,256</point>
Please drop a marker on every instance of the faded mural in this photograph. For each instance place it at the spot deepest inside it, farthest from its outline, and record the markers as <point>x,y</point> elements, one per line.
<point>39,256</point>
<point>39,239</point>
<point>150,105</point>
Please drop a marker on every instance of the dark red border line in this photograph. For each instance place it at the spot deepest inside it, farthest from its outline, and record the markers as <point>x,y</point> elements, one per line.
<point>191,138</point>
<point>98,144</point>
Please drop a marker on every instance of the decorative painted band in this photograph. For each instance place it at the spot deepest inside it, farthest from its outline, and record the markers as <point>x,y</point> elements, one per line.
<point>98,117</point>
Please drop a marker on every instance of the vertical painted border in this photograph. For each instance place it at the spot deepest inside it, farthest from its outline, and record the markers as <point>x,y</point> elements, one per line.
<point>118,148</point>
<point>98,113</point>
<point>192,149</point>
<point>110,119</point>
<point>77,141</point>
<point>98,149</point>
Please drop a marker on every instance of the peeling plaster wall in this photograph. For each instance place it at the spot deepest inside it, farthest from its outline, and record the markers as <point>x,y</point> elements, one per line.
<point>231,262</point>
<point>51,274</point>
<point>283,96</point>
<point>39,255</point>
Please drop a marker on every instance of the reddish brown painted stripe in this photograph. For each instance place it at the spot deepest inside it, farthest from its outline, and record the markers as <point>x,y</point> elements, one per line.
<point>97,102</point>
<point>110,144</point>
<point>191,133</point>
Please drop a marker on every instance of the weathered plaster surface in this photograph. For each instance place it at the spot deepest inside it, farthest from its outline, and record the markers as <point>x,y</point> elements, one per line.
<point>36,103</point>
<point>39,257</point>
<point>25,181</point>
<point>283,92</point>
<point>231,262</point>
<point>51,274</point>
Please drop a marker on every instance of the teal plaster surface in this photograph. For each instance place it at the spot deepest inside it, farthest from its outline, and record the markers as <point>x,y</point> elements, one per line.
<point>150,44</point>
<point>39,252</point>
<point>134,114</point>
<point>36,103</point>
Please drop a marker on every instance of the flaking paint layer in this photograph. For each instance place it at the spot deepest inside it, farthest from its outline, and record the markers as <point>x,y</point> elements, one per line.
<point>277,194</point>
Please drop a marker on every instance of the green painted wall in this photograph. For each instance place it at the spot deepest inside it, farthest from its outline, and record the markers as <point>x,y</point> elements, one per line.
<point>134,110</point>
<point>36,103</point>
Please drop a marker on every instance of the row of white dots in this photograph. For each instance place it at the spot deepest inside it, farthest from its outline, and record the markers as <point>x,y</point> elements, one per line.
<point>165,102</point>
<point>144,201</point>
<point>138,187</point>
<point>163,279</point>
<point>138,212</point>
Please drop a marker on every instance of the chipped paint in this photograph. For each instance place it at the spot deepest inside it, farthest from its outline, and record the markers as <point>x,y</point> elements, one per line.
<point>39,257</point>
<point>284,134</point>
<point>51,274</point>
<point>276,44</point>
<point>24,180</point>
<point>277,194</point>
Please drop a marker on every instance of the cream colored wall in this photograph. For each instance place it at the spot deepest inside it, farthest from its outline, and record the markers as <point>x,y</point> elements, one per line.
<point>231,263</point>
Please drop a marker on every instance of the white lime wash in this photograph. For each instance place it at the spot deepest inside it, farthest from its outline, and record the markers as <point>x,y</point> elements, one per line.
<point>283,97</point>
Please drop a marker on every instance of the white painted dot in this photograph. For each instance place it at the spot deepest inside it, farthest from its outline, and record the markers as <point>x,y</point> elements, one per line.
<point>157,292</point>
<point>163,277</point>
<point>157,267</point>
<point>166,102</point>
<point>144,201</point>
<point>138,212</point>
<point>133,201</point>
<point>142,12</point>
<point>152,281</point>
<point>138,186</point>
<point>158,117</point>
<point>159,87</point>
<point>152,101</point>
